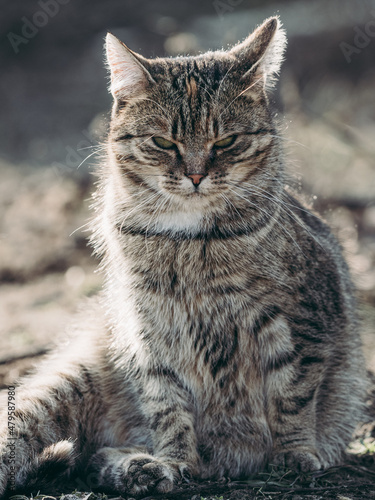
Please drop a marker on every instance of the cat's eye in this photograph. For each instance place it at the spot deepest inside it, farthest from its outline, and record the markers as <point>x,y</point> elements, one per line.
<point>163,143</point>
<point>225,143</point>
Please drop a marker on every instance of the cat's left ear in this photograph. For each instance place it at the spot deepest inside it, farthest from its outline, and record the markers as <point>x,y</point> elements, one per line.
<point>260,55</point>
<point>130,78</point>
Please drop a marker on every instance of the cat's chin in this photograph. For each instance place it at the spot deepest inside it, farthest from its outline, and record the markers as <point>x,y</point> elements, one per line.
<point>180,220</point>
<point>187,212</point>
<point>198,199</point>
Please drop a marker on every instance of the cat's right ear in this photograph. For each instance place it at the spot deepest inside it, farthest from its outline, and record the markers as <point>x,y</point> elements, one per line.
<point>129,77</point>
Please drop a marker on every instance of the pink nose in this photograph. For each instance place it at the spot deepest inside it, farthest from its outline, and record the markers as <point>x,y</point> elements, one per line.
<point>196,178</point>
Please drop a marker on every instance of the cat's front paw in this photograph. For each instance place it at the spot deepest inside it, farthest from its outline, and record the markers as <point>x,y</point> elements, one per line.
<point>298,460</point>
<point>144,472</point>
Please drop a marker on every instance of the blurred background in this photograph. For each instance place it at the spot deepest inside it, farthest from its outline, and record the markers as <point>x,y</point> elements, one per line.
<point>54,109</point>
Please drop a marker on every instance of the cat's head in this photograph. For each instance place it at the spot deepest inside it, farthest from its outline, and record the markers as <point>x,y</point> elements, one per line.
<point>191,134</point>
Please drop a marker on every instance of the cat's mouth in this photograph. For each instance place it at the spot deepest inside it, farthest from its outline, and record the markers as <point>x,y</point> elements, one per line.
<point>199,195</point>
<point>199,189</point>
<point>195,193</point>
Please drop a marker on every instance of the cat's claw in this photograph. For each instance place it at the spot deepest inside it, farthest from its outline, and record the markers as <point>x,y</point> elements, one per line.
<point>185,473</point>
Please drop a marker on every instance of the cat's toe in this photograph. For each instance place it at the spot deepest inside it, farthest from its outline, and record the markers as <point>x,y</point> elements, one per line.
<point>164,486</point>
<point>298,460</point>
<point>146,473</point>
<point>161,474</point>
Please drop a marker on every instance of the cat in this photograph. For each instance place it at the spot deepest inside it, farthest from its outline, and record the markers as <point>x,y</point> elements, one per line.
<point>226,335</point>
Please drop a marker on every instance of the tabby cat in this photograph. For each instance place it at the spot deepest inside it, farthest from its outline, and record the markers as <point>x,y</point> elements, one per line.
<point>226,337</point>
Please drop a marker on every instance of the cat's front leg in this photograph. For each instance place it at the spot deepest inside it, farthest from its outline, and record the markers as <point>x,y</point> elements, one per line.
<point>167,406</point>
<point>172,455</point>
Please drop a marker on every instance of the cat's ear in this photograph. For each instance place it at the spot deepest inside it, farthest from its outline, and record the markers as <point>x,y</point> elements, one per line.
<point>129,77</point>
<point>260,55</point>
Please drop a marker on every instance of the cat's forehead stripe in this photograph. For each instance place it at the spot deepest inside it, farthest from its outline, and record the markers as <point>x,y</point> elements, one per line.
<point>206,74</point>
<point>191,87</point>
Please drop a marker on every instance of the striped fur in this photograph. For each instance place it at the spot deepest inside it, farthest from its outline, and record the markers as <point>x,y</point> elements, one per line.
<point>226,337</point>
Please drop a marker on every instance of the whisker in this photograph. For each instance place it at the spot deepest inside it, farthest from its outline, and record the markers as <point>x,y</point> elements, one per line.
<point>148,138</point>
<point>286,139</point>
<point>271,216</point>
<point>224,77</point>
<point>155,213</point>
<point>153,175</point>
<point>99,147</point>
<point>87,157</point>
<point>240,94</point>
<point>137,207</point>
<point>284,206</point>
<point>286,203</point>
<point>159,105</point>
<point>227,200</point>
<point>79,228</point>
<point>206,90</point>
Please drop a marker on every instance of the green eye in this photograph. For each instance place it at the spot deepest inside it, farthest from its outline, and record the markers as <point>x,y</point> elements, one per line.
<point>163,143</point>
<point>224,143</point>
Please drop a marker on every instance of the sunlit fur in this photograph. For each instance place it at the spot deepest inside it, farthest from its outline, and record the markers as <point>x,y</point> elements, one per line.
<point>226,337</point>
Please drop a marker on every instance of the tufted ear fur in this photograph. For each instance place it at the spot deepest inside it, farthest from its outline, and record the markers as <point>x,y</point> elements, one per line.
<point>129,76</point>
<point>261,53</point>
